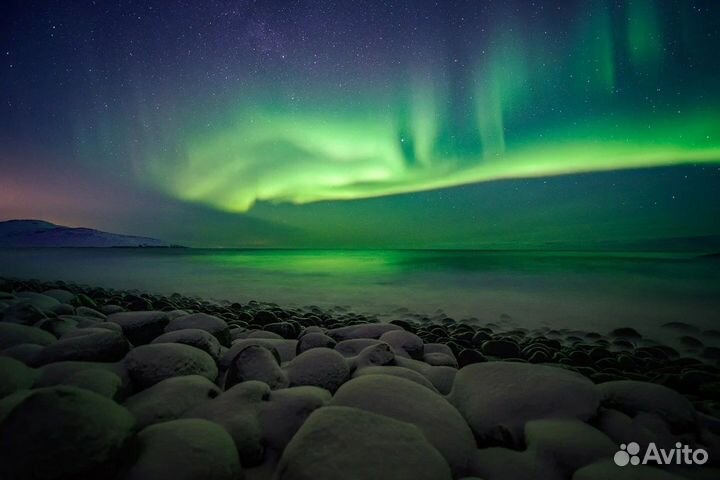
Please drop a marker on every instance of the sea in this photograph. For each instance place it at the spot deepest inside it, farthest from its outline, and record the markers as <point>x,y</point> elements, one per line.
<point>596,291</point>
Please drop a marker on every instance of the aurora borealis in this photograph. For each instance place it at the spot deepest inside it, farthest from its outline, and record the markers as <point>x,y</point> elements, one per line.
<point>420,124</point>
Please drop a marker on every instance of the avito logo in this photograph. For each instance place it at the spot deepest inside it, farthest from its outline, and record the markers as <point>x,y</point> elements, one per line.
<point>680,455</point>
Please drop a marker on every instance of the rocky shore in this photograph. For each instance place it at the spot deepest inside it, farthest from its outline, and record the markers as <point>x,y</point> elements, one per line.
<point>99,383</point>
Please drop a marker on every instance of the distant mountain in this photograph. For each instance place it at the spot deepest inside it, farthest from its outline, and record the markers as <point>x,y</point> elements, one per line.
<point>37,233</point>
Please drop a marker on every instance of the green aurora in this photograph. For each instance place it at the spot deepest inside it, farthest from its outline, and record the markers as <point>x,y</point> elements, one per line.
<point>466,124</point>
<point>511,104</point>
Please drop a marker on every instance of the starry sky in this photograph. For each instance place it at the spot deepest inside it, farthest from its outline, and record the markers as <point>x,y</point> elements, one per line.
<point>379,124</point>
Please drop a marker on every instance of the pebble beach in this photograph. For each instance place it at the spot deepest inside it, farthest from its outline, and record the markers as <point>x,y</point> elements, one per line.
<point>102,383</point>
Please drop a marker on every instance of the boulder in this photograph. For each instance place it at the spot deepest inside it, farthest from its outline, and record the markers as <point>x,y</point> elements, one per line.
<point>24,352</point>
<point>202,321</point>
<point>283,349</point>
<point>186,449</point>
<point>396,371</point>
<point>351,348</point>
<point>236,410</point>
<point>569,443</point>
<point>141,327</point>
<point>150,364</point>
<point>284,412</point>
<point>632,397</point>
<point>14,376</point>
<point>498,398</point>
<point>498,463</point>
<point>254,362</point>
<point>403,341</point>
<point>80,374</point>
<point>103,382</point>
<point>319,367</point>
<point>608,469</point>
<point>62,296</point>
<point>365,330</point>
<point>194,337</point>
<point>170,399</point>
<point>349,443</point>
<point>375,355</point>
<point>38,300</point>
<point>314,340</point>
<point>87,344</point>
<point>440,360</point>
<point>12,334</point>
<point>410,402</point>
<point>84,439</point>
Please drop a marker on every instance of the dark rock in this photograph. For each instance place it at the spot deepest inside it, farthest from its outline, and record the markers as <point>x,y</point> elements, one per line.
<point>498,398</point>
<point>194,337</point>
<point>170,399</point>
<point>404,341</point>
<point>626,332</point>
<point>12,334</point>
<point>501,348</point>
<point>61,433</point>
<point>14,376</point>
<point>210,323</point>
<point>150,364</point>
<point>468,357</point>
<point>254,362</point>
<point>87,344</point>
<point>186,449</point>
<point>141,327</point>
<point>314,340</point>
<point>382,448</point>
<point>319,367</point>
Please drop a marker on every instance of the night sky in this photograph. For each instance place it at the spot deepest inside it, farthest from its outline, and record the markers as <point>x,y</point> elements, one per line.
<point>411,124</point>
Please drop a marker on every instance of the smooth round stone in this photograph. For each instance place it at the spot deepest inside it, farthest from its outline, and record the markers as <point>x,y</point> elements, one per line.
<point>101,381</point>
<point>141,327</point>
<point>410,402</point>
<point>38,300</point>
<point>569,443</point>
<point>501,348</point>
<point>236,410</point>
<point>150,364</point>
<point>170,399</point>
<point>14,376</point>
<point>396,371</point>
<point>498,398</point>
<point>284,350</point>
<point>12,334</point>
<point>314,340</point>
<point>632,397</point>
<point>87,344</point>
<point>365,330</point>
<point>255,362</point>
<point>350,443</point>
<point>375,355</point>
<point>352,347</point>
<point>186,449</point>
<point>405,341</point>
<point>62,296</point>
<point>194,337</point>
<point>24,352</point>
<point>61,433</point>
<point>210,323</point>
<point>440,360</point>
<point>609,470</point>
<point>319,367</point>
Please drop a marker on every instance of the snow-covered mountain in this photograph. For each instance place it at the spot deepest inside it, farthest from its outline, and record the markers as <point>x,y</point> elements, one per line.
<point>38,233</point>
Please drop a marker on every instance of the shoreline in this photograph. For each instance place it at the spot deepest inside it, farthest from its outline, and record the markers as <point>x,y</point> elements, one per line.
<point>152,354</point>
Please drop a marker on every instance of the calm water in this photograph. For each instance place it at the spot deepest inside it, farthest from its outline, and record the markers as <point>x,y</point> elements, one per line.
<point>583,290</point>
